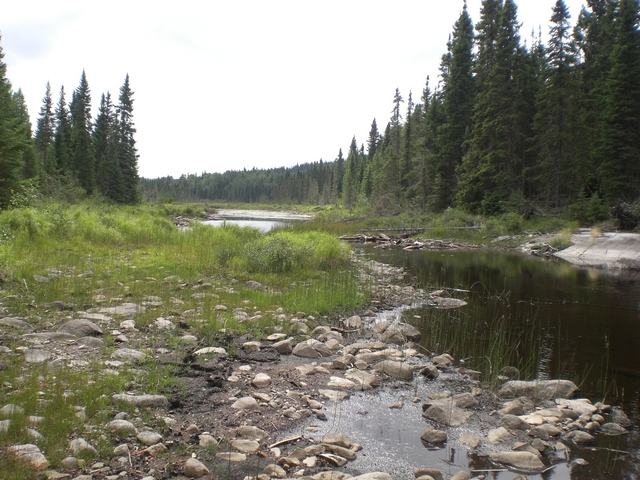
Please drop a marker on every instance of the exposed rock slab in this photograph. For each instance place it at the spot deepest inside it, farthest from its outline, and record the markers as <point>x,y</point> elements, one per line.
<point>142,400</point>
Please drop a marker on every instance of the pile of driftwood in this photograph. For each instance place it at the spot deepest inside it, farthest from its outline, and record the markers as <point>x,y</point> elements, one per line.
<point>383,241</point>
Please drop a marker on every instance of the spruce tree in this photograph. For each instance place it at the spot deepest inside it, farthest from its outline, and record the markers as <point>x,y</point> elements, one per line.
<point>555,123</point>
<point>105,139</point>
<point>30,162</point>
<point>62,137</point>
<point>459,96</point>
<point>45,132</point>
<point>619,153</point>
<point>127,152</point>
<point>492,169</point>
<point>13,139</point>
<point>82,155</point>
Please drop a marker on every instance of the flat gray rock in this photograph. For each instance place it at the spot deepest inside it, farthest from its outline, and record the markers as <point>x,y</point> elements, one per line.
<point>51,336</point>
<point>125,309</point>
<point>128,354</point>
<point>142,400</point>
<point>538,389</point>
<point>81,328</point>
<point>521,461</point>
<point>91,342</point>
<point>17,323</point>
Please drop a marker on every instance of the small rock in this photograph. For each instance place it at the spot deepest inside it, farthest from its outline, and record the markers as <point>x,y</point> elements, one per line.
<point>81,328</point>
<point>194,468</point>
<point>29,455</point>
<point>214,350</point>
<point>580,438</point>
<point>523,461</point>
<point>80,446</point>
<point>338,439</point>
<point>246,403</point>
<point>206,440</point>
<point>469,440</point>
<point>142,400</point>
<point>231,456</point>
<point>149,438</point>
<point>398,370</point>
<point>121,427</point>
<point>284,347</point>
<point>128,354</point>
<point>252,433</point>
<point>274,470</point>
<point>433,436</point>
<point>499,435</point>
<point>512,422</point>
<point>432,472</point>
<point>261,380</point>
<point>245,446</point>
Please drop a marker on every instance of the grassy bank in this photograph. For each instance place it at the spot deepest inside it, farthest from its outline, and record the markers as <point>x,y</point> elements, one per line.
<point>57,260</point>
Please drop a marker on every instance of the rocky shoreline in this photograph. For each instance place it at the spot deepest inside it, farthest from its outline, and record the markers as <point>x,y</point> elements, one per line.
<point>239,395</point>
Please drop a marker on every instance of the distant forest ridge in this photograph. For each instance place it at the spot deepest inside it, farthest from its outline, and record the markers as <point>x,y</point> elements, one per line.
<point>508,127</point>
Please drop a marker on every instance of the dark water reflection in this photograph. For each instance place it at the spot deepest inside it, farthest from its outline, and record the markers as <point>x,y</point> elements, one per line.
<point>586,325</point>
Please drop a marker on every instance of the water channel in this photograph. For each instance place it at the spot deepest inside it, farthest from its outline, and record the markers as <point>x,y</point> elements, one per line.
<point>586,329</point>
<point>563,321</point>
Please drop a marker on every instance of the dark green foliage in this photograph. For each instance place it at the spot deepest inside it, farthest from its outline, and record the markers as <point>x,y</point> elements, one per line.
<point>458,100</point>
<point>105,138</point>
<point>491,170</point>
<point>45,132</point>
<point>618,158</point>
<point>62,137</point>
<point>126,145</point>
<point>82,155</point>
<point>556,124</point>
<point>14,139</point>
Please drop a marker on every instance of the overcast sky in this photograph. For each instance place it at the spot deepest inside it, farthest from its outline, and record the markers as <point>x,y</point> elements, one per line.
<point>226,85</point>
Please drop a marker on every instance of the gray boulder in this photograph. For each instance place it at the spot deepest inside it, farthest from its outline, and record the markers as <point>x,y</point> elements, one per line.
<point>538,389</point>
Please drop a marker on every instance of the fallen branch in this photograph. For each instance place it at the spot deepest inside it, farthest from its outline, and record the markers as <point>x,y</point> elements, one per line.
<point>288,440</point>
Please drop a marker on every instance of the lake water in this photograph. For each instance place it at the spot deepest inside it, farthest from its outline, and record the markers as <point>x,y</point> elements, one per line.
<point>263,220</point>
<point>585,327</point>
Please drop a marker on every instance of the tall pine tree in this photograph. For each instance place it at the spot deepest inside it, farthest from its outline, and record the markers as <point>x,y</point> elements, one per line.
<point>45,132</point>
<point>127,152</point>
<point>82,155</point>
<point>459,97</point>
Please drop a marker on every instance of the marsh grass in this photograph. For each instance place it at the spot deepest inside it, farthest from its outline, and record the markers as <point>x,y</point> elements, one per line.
<point>487,346</point>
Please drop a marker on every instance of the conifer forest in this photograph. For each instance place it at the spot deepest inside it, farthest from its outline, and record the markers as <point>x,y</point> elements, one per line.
<point>508,124</point>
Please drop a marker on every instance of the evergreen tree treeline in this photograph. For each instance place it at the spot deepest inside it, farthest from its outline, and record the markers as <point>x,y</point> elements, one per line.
<point>68,147</point>
<point>512,125</point>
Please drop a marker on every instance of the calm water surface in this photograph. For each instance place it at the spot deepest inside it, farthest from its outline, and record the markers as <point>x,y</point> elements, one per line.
<point>586,324</point>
